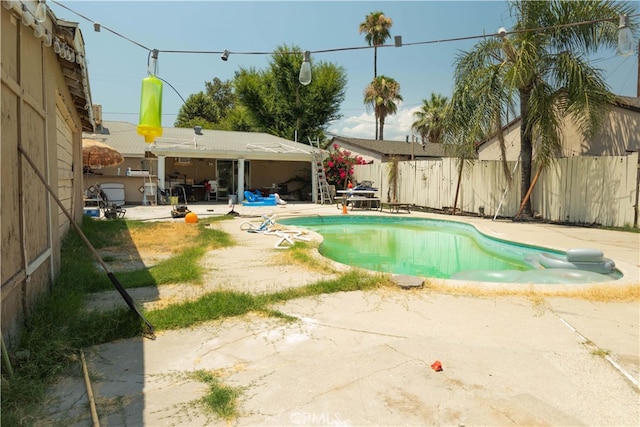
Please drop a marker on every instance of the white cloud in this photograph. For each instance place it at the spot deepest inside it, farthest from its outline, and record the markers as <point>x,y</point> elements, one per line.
<point>396,127</point>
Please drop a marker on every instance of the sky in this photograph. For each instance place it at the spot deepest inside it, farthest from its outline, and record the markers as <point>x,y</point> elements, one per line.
<point>117,63</point>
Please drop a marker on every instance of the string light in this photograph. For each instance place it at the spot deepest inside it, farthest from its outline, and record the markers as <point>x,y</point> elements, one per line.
<point>625,37</point>
<point>624,41</point>
<point>226,52</point>
<point>38,30</point>
<point>63,50</point>
<point>47,38</point>
<point>41,11</point>
<point>27,17</point>
<point>56,47</point>
<point>305,69</point>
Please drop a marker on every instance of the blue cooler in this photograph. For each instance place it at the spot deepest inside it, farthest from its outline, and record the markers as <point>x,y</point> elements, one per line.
<point>93,212</point>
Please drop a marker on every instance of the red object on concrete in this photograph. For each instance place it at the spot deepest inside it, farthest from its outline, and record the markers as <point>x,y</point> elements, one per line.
<point>436,366</point>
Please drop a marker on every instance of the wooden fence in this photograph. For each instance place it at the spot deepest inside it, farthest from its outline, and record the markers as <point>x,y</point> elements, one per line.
<point>589,190</point>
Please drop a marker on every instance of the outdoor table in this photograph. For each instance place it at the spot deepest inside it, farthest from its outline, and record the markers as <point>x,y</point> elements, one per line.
<point>364,198</point>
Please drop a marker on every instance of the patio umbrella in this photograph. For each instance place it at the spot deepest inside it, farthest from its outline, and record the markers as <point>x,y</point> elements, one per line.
<point>96,153</point>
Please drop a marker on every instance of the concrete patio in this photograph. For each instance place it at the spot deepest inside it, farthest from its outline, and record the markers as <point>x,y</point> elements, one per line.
<point>364,358</point>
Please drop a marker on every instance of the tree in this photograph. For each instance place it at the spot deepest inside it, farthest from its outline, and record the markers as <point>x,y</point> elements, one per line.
<point>198,109</point>
<point>376,29</point>
<point>430,119</point>
<point>208,109</point>
<point>222,94</point>
<point>278,104</point>
<point>382,94</point>
<point>546,71</point>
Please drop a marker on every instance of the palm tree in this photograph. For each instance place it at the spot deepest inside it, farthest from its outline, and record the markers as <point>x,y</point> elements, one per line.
<point>382,94</point>
<point>376,29</point>
<point>430,118</point>
<point>546,72</point>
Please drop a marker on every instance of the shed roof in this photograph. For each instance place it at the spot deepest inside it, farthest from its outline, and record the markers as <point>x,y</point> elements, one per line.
<point>628,103</point>
<point>75,71</point>
<point>394,148</point>
<point>219,144</point>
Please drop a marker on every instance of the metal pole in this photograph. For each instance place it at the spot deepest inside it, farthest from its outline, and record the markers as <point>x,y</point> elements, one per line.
<point>125,295</point>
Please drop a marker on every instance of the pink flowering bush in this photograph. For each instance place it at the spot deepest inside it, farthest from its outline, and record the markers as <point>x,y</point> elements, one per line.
<point>339,166</point>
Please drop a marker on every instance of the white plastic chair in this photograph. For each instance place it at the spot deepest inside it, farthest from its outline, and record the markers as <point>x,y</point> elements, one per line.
<point>213,190</point>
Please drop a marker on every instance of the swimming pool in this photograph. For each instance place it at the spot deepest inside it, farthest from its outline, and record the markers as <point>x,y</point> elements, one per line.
<point>434,248</point>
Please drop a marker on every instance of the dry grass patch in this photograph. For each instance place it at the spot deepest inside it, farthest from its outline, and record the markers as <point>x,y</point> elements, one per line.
<point>598,293</point>
<point>139,247</point>
<point>305,254</point>
<point>163,238</point>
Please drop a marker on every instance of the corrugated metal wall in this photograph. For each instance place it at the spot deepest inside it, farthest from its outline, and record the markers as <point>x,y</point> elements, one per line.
<point>591,190</point>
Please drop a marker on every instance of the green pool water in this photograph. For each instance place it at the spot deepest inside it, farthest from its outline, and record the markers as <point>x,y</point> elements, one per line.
<point>428,248</point>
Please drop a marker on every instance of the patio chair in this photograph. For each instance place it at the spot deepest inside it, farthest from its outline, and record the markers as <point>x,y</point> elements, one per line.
<point>213,190</point>
<point>111,210</point>
<point>267,223</point>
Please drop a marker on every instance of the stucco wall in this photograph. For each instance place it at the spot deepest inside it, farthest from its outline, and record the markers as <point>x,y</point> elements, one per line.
<point>620,133</point>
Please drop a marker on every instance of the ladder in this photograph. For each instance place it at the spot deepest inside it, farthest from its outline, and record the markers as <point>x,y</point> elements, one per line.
<point>319,173</point>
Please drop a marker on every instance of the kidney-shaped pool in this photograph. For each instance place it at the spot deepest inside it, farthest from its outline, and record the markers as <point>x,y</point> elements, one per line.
<point>442,249</point>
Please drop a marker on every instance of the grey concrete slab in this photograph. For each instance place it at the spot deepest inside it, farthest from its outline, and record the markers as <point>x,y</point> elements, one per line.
<point>364,358</point>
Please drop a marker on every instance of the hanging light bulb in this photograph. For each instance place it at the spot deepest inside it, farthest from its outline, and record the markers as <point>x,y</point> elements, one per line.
<point>41,11</point>
<point>305,69</point>
<point>38,30</point>
<point>47,38</point>
<point>27,17</point>
<point>72,56</point>
<point>17,6</point>
<point>57,47</point>
<point>625,37</point>
<point>8,4</point>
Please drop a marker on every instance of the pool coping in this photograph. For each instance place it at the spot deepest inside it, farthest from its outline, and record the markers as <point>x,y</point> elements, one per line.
<point>493,230</point>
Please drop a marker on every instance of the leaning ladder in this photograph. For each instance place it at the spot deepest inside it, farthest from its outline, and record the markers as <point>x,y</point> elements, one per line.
<point>319,173</point>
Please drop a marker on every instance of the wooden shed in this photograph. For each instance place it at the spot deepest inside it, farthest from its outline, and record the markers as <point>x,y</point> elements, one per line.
<point>46,105</point>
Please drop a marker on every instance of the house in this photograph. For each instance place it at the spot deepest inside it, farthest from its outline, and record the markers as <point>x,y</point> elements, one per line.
<point>619,136</point>
<point>373,150</point>
<point>46,105</point>
<point>186,158</point>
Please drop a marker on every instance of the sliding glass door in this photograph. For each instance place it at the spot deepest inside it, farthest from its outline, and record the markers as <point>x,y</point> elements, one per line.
<point>228,176</point>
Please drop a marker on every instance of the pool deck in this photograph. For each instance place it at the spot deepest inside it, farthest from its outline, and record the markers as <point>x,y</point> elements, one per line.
<point>364,358</point>
<point>622,247</point>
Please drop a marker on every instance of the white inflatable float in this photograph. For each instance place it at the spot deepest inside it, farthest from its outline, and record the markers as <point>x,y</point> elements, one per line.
<point>580,265</point>
<point>578,259</point>
<point>541,276</point>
